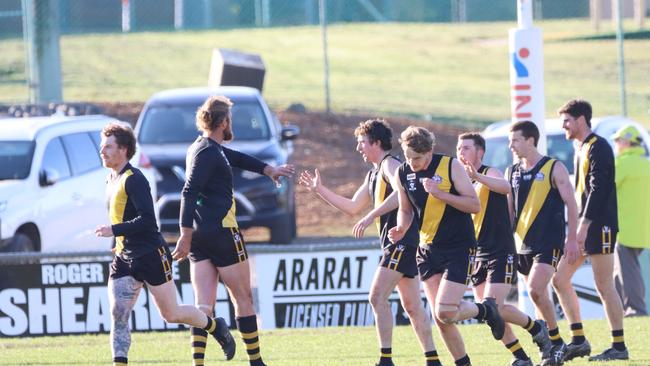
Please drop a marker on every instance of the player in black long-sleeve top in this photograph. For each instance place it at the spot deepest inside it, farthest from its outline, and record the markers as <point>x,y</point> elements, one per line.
<point>141,255</point>
<point>596,189</point>
<point>209,233</point>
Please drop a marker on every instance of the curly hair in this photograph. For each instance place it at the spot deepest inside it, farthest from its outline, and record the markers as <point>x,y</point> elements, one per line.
<point>376,130</point>
<point>124,137</point>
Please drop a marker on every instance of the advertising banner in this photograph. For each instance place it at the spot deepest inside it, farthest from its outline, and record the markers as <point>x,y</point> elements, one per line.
<point>69,298</point>
<point>300,289</point>
<point>315,289</point>
<point>320,289</point>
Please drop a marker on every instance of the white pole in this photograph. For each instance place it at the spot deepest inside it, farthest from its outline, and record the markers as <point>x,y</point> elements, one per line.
<point>621,56</point>
<point>527,93</point>
<point>524,14</point>
<point>595,13</point>
<point>178,14</point>
<point>266,13</point>
<point>126,16</point>
<point>326,68</point>
<point>527,71</point>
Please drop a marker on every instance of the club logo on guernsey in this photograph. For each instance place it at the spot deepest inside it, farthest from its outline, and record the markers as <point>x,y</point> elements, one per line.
<point>515,179</point>
<point>539,176</point>
<point>411,181</point>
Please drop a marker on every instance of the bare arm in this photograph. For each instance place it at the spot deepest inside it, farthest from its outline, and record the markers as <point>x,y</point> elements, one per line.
<point>562,182</point>
<point>392,202</point>
<point>494,181</point>
<point>466,200</point>
<point>404,213</point>
<point>389,170</point>
<point>511,205</point>
<point>352,207</point>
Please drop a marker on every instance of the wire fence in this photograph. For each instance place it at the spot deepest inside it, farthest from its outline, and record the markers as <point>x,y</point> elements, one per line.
<point>82,16</point>
<point>95,18</point>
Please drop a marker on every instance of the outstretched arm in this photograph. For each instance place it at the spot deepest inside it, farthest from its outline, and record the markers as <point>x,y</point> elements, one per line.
<point>352,207</point>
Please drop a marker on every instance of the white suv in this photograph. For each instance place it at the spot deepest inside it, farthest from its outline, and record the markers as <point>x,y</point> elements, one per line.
<point>52,183</point>
<point>498,153</point>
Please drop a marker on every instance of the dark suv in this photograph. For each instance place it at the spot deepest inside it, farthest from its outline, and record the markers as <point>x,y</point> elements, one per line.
<point>165,129</point>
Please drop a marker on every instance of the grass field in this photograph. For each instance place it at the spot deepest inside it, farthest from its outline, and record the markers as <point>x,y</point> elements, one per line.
<point>445,72</point>
<point>322,347</point>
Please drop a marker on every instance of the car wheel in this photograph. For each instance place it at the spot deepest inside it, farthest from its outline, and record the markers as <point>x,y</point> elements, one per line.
<point>281,231</point>
<point>21,243</point>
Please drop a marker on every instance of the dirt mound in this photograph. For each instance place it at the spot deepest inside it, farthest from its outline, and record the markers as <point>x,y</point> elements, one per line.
<point>326,142</point>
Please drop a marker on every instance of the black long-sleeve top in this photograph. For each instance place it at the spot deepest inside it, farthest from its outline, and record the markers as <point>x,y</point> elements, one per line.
<point>132,214</point>
<point>207,201</point>
<point>595,183</point>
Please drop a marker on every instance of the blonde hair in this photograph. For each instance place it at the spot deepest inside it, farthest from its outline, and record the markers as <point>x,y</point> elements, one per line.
<point>212,113</point>
<point>418,139</point>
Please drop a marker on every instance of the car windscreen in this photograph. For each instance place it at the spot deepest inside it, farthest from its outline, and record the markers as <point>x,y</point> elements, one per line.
<point>498,153</point>
<point>15,159</point>
<point>176,124</point>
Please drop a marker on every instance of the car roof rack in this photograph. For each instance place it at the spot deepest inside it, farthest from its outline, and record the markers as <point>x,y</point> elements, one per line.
<point>44,110</point>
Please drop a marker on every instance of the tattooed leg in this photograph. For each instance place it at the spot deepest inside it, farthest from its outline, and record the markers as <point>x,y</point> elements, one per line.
<point>122,294</point>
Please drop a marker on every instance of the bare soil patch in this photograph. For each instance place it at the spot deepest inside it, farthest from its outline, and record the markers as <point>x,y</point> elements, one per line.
<point>326,142</point>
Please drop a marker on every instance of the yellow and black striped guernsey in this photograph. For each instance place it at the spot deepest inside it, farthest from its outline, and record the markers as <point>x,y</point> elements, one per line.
<point>132,214</point>
<point>380,189</point>
<point>595,183</point>
<point>539,209</point>
<point>440,224</point>
<point>492,224</point>
<point>208,201</point>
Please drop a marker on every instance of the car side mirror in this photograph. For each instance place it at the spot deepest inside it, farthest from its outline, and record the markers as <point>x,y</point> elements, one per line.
<point>289,132</point>
<point>48,177</point>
